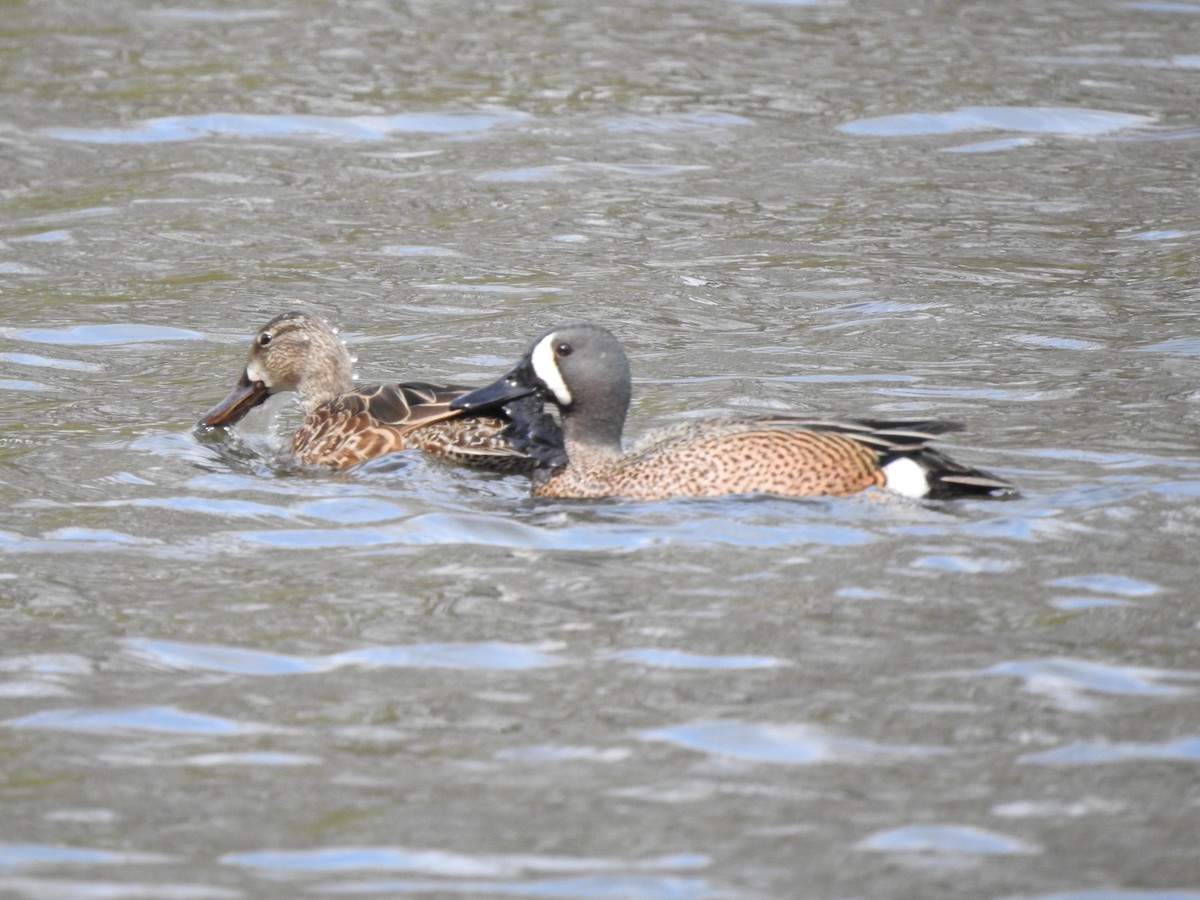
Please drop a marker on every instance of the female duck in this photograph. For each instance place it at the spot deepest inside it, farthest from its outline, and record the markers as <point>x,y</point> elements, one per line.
<point>583,369</point>
<point>344,424</point>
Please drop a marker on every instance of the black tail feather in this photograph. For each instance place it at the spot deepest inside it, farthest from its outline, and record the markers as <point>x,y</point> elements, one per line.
<point>949,479</point>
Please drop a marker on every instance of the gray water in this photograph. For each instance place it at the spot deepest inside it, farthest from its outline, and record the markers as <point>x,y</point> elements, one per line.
<point>224,676</point>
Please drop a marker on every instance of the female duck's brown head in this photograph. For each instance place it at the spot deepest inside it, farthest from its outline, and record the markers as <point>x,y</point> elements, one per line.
<point>295,351</point>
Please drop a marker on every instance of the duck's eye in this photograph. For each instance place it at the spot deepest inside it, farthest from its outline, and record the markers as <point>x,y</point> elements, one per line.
<point>563,349</point>
<point>264,339</point>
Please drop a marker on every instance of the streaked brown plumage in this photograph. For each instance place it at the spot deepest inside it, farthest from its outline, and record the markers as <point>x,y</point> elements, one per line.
<point>582,369</point>
<point>345,424</point>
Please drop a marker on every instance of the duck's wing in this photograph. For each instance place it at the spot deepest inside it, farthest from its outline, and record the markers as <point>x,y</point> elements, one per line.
<point>379,419</point>
<point>404,407</point>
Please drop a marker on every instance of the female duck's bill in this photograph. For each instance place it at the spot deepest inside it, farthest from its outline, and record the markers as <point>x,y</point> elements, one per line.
<point>246,395</point>
<point>582,369</point>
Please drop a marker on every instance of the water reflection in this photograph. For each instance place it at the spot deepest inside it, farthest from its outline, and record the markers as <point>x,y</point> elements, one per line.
<point>359,128</point>
<point>772,743</point>
<point>1069,682</point>
<point>489,874</point>
<point>235,661</point>
<point>162,719</point>
<point>102,334</point>
<point>1024,120</point>
<point>945,839</point>
<point>1099,752</point>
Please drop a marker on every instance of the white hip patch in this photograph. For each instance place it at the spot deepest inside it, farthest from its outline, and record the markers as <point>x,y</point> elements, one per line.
<point>906,476</point>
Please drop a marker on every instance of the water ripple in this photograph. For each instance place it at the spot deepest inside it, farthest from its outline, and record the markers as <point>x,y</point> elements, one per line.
<point>16,268</point>
<point>1182,346</point>
<point>1074,603</point>
<point>417,250</point>
<point>55,236</point>
<point>496,531</point>
<point>791,744</point>
<point>598,878</point>
<point>1092,752</point>
<point>17,855</point>
<point>1165,6</point>
<point>352,510</point>
<point>1105,583</point>
<point>1067,680</point>
<point>577,171</point>
<point>209,506</point>
<point>246,125</point>
<point>588,887</point>
<point>660,658</point>
<point>945,839</point>
<point>161,719</point>
<point>214,15</point>
<point>16,384</point>
<point>959,563</point>
<point>1117,894</point>
<point>1023,119</point>
<point>43,675</point>
<point>552,753</point>
<point>490,655</point>
<point>127,333</point>
<point>93,889</point>
<point>447,864</point>
<point>32,359</point>
<point>681,122</point>
<point>991,146</point>
<point>261,758</point>
<point>71,540</point>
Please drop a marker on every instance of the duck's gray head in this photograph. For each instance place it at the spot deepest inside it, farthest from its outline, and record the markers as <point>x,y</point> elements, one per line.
<point>580,367</point>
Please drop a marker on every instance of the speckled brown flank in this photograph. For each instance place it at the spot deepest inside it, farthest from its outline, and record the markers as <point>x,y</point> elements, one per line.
<point>713,458</point>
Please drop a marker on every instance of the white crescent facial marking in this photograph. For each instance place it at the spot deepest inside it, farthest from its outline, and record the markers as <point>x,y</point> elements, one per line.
<point>907,477</point>
<point>545,368</point>
<point>255,372</point>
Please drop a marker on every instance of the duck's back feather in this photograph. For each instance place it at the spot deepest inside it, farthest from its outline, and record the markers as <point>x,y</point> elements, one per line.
<point>379,419</point>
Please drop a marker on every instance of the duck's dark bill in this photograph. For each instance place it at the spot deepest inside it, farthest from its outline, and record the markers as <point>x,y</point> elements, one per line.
<point>245,395</point>
<point>516,384</point>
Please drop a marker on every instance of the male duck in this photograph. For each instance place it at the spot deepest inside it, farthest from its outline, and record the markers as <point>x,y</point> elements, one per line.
<point>344,424</point>
<point>583,369</point>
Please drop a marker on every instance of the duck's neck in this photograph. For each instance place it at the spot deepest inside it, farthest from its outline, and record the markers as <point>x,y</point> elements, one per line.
<point>327,382</point>
<point>595,437</point>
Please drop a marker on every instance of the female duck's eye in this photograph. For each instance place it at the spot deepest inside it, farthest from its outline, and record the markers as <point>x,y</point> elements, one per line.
<point>563,349</point>
<point>264,339</point>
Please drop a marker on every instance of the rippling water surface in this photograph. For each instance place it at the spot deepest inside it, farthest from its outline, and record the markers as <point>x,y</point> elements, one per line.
<point>225,676</point>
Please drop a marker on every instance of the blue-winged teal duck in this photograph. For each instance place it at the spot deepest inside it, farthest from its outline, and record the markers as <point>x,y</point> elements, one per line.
<point>582,368</point>
<point>345,424</point>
